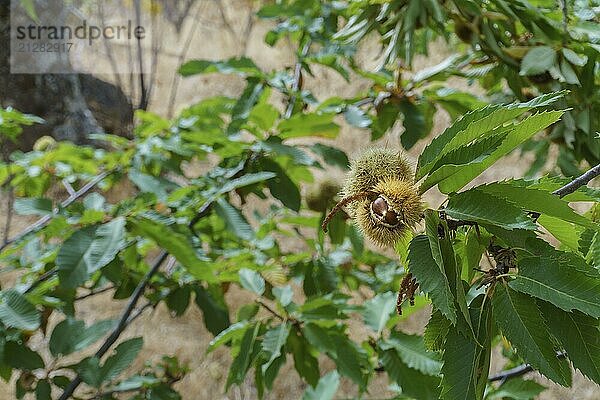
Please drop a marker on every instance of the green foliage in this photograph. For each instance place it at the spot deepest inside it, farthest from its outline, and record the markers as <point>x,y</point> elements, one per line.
<point>521,322</point>
<point>243,222</point>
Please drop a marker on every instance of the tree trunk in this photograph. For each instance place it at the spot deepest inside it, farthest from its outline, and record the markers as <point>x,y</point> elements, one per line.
<point>73,105</point>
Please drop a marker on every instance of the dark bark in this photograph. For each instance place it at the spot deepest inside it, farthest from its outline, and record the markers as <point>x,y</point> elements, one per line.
<point>73,105</point>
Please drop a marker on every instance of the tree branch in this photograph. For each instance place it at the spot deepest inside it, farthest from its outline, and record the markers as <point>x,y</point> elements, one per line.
<point>578,182</point>
<point>518,371</point>
<point>94,292</point>
<point>9,213</point>
<point>124,321</point>
<point>40,223</point>
<point>186,46</point>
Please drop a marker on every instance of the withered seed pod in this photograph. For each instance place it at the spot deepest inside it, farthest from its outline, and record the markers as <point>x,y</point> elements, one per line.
<point>381,196</point>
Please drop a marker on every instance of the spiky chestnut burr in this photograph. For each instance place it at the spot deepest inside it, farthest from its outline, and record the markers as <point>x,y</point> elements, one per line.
<point>381,196</point>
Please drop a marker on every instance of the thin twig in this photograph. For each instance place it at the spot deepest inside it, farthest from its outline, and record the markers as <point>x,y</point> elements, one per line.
<point>269,309</point>
<point>182,55</point>
<point>565,19</point>
<point>156,50</point>
<point>578,182</point>
<point>202,212</point>
<point>518,371</point>
<point>139,312</point>
<point>94,293</point>
<point>297,80</point>
<point>68,187</point>
<point>40,223</point>
<point>143,91</point>
<point>247,30</point>
<point>228,26</point>
<point>276,314</point>
<point>43,278</point>
<point>9,213</point>
<point>123,322</point>
<point>109,48</point>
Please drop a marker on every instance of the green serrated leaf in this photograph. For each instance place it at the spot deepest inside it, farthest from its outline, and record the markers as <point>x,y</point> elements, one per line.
<point>412,382</point>
<point>331,155</point>
<point>241,66</point>
<point>559,283</point>
<point>242,108</point>
<point>417,122</point>
<point>463,158</point>
<point>122,358</point>
<point>566,232</point>
<point>478,206</point>
<point>348,359</point>
<point>521,131</point>
<point>234,220</point>
<point>305,363</point>
<point>214,309</point>
<point>43,390</point>
<point>593,255</point>
<point>580,336</point>
<point>72,335</point>
<point>520,320</point>
<point>436,331</point>
<point>475,125</point>
<point>377,310</point>
<point>33,206</point>
<point>272,343</point>
<point>356,117</point>
<point>88,250</point>
<point>459,369</point>
<point>517,389</point>
<point>429,276</point>
<point>386,117</point>
<point>281,186</point>
<point>538,60</point>
<point>17,312</point>
<point>251,280</point>
<point>234,331</point>
<point>326,388</point>
<point>301,125</point>
<point>264,115</point>
<point>179,300</point>
<point>241,363</point>
<point>411,350</point>
<point>284,294</point>
<point>543,202</point>
<point>177,245</point>
<point>18,355</point>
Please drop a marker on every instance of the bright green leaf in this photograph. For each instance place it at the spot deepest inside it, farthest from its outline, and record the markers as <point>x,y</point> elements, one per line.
<point>559,283</point>
<point>520,320</point>
<point>325,389</point>
<point>88,250</point>
<point>251,280</point>
<point>538,60</point>
<point>377,310</point>
<point>429,276</point>
<point>580,336</point>
<point>478,206</point>
<point>17,312</point>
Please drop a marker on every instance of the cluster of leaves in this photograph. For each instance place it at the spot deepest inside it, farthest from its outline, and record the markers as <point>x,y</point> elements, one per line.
<point>514,50</point>
<point>302,297</point>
